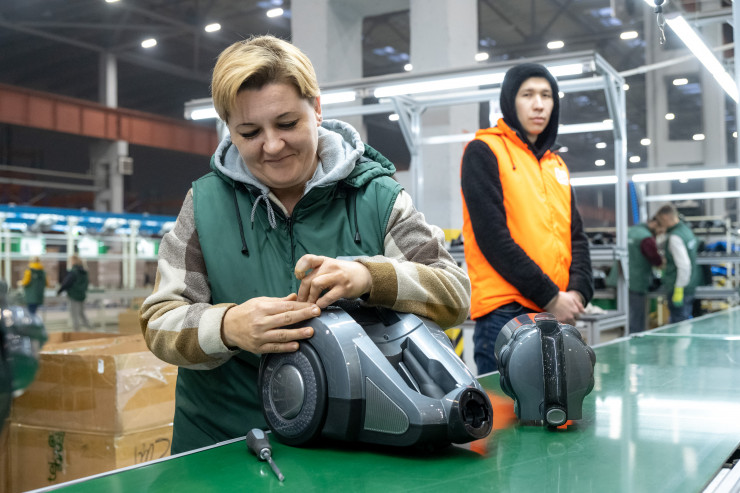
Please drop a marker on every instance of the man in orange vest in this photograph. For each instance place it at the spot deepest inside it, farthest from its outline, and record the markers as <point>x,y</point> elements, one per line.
<point>525,247</point>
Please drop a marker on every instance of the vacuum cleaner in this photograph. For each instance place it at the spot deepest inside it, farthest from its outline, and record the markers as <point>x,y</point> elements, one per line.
<point>22,334</point>
<point>373,375</point>
<point>546,367</point>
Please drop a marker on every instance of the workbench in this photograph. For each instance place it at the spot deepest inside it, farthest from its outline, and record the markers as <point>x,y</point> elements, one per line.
<point>664,416</point>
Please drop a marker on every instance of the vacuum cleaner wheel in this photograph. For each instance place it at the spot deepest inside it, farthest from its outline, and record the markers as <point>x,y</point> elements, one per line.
<point>294,394</point>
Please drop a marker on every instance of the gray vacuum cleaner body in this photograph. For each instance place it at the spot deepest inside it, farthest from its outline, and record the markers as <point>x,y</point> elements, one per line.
<point>373,375</point>
<point>546,367</point>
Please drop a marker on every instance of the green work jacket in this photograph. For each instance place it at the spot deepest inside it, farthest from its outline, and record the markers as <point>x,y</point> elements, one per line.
<point>78,290</point>
<point>347,218</point>
<point>640,268</point>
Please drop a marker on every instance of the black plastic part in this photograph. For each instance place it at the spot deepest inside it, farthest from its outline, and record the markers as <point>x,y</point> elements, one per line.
<point>307,424</point>
<point>555,404</point>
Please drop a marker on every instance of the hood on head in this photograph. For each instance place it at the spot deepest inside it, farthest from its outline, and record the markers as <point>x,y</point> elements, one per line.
<point>513,80</point>
<point>339,148</point>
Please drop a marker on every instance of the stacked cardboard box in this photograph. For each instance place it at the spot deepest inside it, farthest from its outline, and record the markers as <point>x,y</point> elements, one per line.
<point>95,405</point>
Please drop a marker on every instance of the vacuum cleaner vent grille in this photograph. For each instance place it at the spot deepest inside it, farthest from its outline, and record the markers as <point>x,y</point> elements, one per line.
<point>381,413</point>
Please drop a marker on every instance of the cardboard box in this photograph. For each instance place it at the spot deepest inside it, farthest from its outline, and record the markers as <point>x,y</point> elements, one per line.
<point>128,322</point>
<point>63,336</point>
<point>106,385</point>
<point>4,458</point>
<point>41,457</point>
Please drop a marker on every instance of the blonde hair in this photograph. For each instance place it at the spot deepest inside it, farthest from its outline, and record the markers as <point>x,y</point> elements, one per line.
<point>256,62</point>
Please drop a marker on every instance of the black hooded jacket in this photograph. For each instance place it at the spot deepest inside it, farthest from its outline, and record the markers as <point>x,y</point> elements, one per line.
<point>484,198</point>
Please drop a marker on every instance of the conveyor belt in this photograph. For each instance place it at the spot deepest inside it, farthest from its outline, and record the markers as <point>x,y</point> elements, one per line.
<point>663,417</point>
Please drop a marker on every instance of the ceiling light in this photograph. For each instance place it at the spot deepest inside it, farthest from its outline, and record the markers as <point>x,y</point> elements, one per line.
<point>634,159</point>
<point>274,12</point>
<point>601,145</point>
<point>408,67</point>
<point>628,35</point>
<point>212,28</point>
<point>555,45</point>
<point>683,180</point>
<point>698,136</point>
<point>393,117</point>
<point>700,50</point>
<point>599,162</point>
<point>464,81</point>
<point>149,43</point>
<point>680,82</point>
<point>692,196</point>
<point>438,85</point>
<point>626,87</point>
<point>645,141</point>
<point>204,114</point>
<point>111,1</point>
<point>677,175</point>
<point>579,181</point>
<point>481,57</point>
<point>670,116</point>
<point>563,149</point>
<point>338,97</point>
<point>734,134</point>
<point>561,94</point>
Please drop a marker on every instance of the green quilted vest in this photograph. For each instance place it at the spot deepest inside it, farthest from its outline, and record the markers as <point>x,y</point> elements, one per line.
<point>223,403</point>
<point>33,292</point>
<point>668,280</point>
<point>640,268</point>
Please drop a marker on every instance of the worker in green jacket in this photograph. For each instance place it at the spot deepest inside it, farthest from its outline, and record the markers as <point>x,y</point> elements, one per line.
<point>34,283</point>
<point>75,284</point>
<point>681,275</point>
<point>296,213</point>
<point>643,253</point>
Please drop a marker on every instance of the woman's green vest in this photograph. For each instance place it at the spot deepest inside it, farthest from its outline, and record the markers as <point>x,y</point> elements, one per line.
<point>668,281</point>
<point>640,268</point>
<point>223,403</point>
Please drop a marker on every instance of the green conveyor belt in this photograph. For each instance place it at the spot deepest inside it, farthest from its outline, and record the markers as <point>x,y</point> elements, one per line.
<point>664,416</point>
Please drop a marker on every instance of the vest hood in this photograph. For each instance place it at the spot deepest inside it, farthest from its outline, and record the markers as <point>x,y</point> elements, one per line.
<point>513,80</point>
<point>339,149</point>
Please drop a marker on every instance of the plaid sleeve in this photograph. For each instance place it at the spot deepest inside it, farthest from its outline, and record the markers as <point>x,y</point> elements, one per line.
<point>178,321</point>
<point>416,274</point>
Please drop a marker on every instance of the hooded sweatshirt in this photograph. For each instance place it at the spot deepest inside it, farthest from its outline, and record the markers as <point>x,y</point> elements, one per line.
<point>500,240</point>
<point>181,320</point>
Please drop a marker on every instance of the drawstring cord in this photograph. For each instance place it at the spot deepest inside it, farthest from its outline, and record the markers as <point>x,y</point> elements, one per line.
<point>245,250</point>
<point>270,210</point>
<point>358,239</point>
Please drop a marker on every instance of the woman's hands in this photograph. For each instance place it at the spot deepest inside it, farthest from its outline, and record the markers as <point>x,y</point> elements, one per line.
<point>330,279</point>
<point>258,325</point>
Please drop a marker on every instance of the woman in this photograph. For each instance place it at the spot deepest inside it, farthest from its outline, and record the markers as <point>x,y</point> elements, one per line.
<point>257,242</point>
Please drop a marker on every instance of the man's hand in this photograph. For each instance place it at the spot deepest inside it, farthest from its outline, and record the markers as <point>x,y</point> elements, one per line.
<point>677,298</point>
<point>330,279</point>
<point>257,325</point>
<point>566,306</point>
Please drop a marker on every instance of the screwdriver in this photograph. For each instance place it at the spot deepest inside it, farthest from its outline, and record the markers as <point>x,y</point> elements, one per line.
<point>258,444</point>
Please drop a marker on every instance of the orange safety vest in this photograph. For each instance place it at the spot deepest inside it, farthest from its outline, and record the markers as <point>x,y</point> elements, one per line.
<point>538,214</point>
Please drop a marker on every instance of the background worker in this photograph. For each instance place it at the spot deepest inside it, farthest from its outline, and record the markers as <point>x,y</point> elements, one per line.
<point>34,282</point>
<point>75,284</point>
<point>643,255</point>
<point>524,242</point>
<point>680,275</point>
